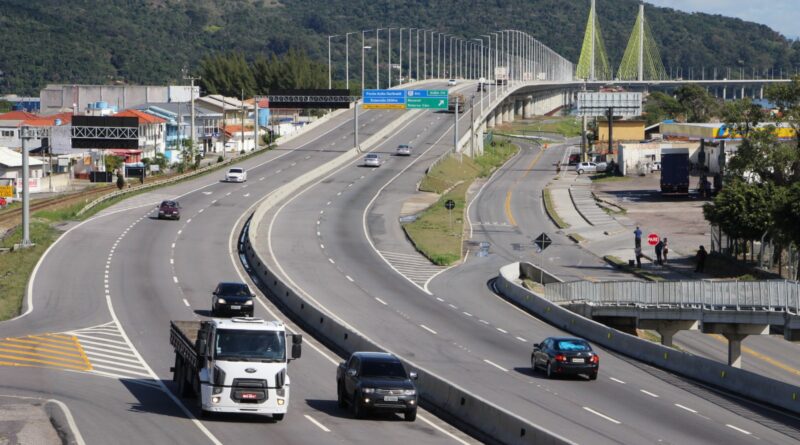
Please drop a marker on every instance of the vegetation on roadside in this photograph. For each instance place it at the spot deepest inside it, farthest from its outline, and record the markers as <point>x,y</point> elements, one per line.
<point>607,177</point>
<point>549,207</point>
<point>438,233</point>
<point>16,266</point>
<point>568,126</point>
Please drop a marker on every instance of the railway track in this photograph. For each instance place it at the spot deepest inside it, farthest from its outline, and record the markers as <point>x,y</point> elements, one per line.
<point>11,218</point>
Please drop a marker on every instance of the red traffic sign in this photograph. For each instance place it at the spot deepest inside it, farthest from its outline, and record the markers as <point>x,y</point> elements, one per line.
<point>652,239</point>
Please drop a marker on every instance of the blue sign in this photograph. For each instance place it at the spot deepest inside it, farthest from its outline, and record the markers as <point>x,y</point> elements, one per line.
<point>427,93</point>
<point>384,97</point>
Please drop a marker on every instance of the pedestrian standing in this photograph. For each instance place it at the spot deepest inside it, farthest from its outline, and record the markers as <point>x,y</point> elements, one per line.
<point>666,250</point>
<point>638,237</point>
<point>638,252</point>
<point>701,260</point>
<point>659,250</point>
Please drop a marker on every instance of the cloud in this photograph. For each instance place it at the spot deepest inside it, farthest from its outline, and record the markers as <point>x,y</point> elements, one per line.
<point>781,15</point>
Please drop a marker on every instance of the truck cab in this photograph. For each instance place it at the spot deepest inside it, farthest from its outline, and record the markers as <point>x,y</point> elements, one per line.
<point>237,365</point>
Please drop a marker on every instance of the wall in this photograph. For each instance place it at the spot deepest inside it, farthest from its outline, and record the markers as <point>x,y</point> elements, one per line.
<point>710,372</point>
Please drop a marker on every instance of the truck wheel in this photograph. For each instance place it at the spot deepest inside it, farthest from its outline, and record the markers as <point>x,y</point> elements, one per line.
<point>340,396</point>
<point>358,410</point>
<point>410,415</point>
<point>278,417</point>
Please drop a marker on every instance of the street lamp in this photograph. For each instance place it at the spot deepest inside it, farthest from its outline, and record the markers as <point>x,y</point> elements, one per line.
<point>378,58</point>
<point>347,58</point>
<point>363,48</point>
<point>390,55</point>
<point>330,78</point>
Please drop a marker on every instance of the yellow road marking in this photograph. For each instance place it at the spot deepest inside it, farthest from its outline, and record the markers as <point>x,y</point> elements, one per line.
<point>760,356</point>
<point>509,214</point>
<point>51,350</point>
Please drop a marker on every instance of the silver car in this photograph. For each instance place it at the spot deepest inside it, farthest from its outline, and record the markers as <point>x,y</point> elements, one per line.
<point>403,150</point>
<point>585,167</point>
<point>372,160</point>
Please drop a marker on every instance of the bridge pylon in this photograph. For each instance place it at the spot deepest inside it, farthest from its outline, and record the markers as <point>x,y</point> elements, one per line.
<point>593,64</point>
<point>642,60</point>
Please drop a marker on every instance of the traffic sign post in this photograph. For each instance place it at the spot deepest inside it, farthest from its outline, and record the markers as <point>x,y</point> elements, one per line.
<point>384,99</point>
<point>405,99</point>
<point>653,239</point>
<point>450,205</point>
<point>542,242</point>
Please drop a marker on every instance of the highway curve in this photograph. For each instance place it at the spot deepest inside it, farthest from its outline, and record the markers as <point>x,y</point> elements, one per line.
<point>97,335</point>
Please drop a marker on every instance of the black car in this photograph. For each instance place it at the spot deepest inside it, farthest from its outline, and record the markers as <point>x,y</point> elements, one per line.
<point>232,299</point>
<point>169,209</point>
<point>376,381</point>
<point>565,356</point>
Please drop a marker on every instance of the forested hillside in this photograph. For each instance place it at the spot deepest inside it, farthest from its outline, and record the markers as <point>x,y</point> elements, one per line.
<point>148,41</point>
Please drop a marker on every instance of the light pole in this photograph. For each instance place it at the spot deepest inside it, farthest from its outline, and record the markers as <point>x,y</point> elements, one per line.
<point>482,85</point>
<point>363,47</point>
<point>390,56</point>
<point>191,94</point>
<point>417,71</point>
<point>400,38</point>
<point>347,58</point>
<point>330,76</point>
<point>409,54</point>
<point>378,58</point>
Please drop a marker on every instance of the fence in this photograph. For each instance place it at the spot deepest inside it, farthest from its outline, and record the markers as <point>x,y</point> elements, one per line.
<point>762,253</point>
<point>739,295</point>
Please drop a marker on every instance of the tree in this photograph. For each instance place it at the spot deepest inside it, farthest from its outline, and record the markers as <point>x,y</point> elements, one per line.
<point>787,214</point>
<point>743,210</point>
<point>742,116</point>
<point>660,107</point>
<point>120,181</point>
<point>787,98</point>
<point>698,105</point>
<point>227,74</point>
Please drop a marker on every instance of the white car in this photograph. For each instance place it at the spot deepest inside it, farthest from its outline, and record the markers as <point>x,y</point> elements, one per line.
<point>403,150</point>
<point>372,160</point>
<point>236,175</point>
<point>451,82</point>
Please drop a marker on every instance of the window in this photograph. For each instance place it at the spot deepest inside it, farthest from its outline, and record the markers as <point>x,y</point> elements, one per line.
<point>573,345</point>
<point>250,345</point>
<point>382,368</point>
<point>8,133</point>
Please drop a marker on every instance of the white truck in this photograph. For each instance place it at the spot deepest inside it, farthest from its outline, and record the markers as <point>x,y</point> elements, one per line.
<point>236,365</point>
<point>500,75</point>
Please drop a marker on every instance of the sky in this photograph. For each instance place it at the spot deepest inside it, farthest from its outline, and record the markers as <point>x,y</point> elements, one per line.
<point>780,15</point>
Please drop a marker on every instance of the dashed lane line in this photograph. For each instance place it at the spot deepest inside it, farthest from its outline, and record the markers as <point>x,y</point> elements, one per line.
<point>610,419</point>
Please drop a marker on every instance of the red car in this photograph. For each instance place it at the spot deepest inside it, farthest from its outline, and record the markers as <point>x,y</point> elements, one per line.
<point>169,210</point>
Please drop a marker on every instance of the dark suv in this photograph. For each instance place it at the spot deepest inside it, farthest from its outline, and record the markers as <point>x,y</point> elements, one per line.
<point>169,209</point>
<point>376,381</point>
<point>232,299</point>
<point>565,356</point>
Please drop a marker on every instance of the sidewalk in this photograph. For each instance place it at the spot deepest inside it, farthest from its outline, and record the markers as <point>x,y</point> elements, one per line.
<point>604,234</point>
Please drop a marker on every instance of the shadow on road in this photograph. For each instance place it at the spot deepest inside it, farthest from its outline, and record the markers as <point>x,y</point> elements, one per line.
<point>331,408</point>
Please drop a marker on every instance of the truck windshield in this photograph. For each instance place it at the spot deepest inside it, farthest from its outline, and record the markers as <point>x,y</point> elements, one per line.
<point>250,345</point>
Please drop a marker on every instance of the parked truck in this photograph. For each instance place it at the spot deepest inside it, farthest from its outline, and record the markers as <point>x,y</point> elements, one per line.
<point>501,75</point>
<point>675,171</point>
<point>237,365</point>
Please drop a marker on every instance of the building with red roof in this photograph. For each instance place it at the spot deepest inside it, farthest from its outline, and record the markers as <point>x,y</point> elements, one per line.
<point>152,133</point>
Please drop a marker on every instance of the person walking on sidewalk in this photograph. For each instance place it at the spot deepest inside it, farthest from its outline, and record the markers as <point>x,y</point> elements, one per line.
<point>659,250</point>
<point>666,249</point>
<point>638,237</point>
<point>701,260</point>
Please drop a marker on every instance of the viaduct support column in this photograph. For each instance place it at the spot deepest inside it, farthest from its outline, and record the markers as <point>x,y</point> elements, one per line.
<point>490,119</point>
<point>668,328</point>
<point>735,333</point>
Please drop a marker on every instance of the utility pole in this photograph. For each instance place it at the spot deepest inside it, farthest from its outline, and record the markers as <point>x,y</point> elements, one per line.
<point>243,114</point>
<point>400,38</point>
<point>377,58</point>
<point>191,95</point>
<point>330,75</point>
<point>26,133</point>
<point>255,123</point>
<point>355,126</point>
<point>418,77</point>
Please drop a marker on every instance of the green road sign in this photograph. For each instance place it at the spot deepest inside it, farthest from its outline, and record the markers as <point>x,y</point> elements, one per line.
<point>435,103</point>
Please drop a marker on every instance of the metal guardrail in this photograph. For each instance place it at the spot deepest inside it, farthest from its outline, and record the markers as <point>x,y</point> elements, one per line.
<point>782,296</point>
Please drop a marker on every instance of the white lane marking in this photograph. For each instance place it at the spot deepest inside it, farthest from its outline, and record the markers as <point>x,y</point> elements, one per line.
<point>649,393</point>
<point>467,314</point>
<point>453,306</point>
<point>175,279</point>
<point>319,234</point>
<point>321,212</point>
<point>442,430</point>
<point>173,245</point>
<point>502,330</point>
<point>180,231</point>
<point>328,203</point>
<point>522,340</point>
<point>439,299</point>
<point>738,429</point>
<point>200,211</point>
<point>322,246</point>
<point>349,278</point>
<point>686,408</point>
<point>315,422</point>
<point>186,303</point>
<point>428,329</point>
<point>171,261</point>
<point>496,365</point>
<point>381,301</point>
<point>214,201</point>
<point>188,220</point>
<point>484,322</point>
<point>617,380</point>
<point>602,415</point>
<point>318,222</point>
<point>70,420</point>
<point>246,195</point>
<point>207,193</point>
<point>262,178</point>
<point>228,194</point>
<point>339,194</point>
<point>278,171</point>
<point>331,260</point>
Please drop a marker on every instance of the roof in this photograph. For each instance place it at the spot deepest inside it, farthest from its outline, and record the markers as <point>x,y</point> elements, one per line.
<point>49,121</point>
<point>230,129</point>
<point>250,324</point>
<point>11,158</point>
<point>175,108</point>
<point>17,116</point>
<point>376,355</point>
<point>144,118</point>
<point>217,100</point>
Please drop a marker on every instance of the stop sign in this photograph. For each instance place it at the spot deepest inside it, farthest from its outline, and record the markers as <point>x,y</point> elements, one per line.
<point>652,239</point>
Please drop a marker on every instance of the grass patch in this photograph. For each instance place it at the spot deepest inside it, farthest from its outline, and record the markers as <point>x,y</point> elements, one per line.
<point>16,267</point>
<point>565,125</point>
<point>551,210</point>
<point>602,177</point>
<point>432,233</point>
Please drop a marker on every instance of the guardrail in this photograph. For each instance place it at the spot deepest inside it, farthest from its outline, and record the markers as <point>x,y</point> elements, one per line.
<point>775,295</point>
<point>490,423</point>
<point>711,372</point>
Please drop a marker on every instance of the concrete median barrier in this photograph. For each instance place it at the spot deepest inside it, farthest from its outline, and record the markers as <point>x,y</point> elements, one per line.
<point>478,417</point>
<point>745,383</point>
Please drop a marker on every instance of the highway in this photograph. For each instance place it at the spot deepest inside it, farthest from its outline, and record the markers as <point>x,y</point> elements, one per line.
<point>117,279</point>
<point>460,329</point>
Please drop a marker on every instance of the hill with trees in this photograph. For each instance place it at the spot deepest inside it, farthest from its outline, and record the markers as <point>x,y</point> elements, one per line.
<point>149,41</point>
